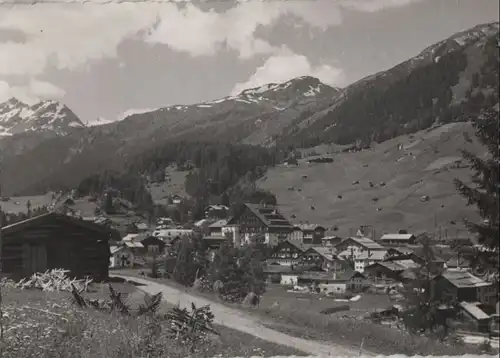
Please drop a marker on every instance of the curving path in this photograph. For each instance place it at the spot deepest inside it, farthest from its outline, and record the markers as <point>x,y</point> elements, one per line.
<point>241,321</point>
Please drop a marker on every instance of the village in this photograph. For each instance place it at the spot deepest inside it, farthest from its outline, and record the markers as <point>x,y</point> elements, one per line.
<point>340,275</point>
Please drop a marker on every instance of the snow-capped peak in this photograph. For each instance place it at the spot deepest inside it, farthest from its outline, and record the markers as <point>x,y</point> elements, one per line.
<point>18,117</point>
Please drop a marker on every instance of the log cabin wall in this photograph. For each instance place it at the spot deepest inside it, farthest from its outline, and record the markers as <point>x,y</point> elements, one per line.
<point>54,243</point>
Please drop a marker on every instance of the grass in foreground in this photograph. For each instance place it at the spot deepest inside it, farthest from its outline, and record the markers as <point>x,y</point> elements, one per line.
<point>46,324</point>
<point>352,332</point>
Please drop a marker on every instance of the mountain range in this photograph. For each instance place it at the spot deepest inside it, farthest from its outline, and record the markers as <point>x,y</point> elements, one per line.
<point>46,145</point>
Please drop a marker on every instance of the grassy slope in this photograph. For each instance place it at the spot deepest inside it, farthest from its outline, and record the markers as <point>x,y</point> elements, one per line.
<point>299,315</point>
<point>420,169</point>
<point>161,191</point>
<point>36,322</point>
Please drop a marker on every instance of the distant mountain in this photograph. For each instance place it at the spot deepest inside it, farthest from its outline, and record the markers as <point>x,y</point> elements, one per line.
<point>449,81</point>
<point>255,116</point>
<point>23,127</point>
<point>48,116</point>
<point>446,82</point>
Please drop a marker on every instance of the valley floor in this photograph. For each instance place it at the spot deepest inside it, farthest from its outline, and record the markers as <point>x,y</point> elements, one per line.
<point>241,321</point>
<point>283,318</point>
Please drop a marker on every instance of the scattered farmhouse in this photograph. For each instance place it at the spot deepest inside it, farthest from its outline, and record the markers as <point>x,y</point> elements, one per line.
<point>464,286</point>
<point>153,245</point>
<point>253,219</point>
<point>55,240</point>
<point>284,275</point>
<point>121,256</point>
<point>474,314</point>
<point>288,253</point>
<point>385,271</point>
<point>169,234</point>
<point>331,241</point>
<point>367,258</point>
<point>308,233</point>
<point>333,282</point>
<point>397,239</point>
<point>216,212</point>
<point>354,246</point>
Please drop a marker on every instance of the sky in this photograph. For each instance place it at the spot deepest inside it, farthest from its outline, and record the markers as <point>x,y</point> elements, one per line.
<point>105,59</point>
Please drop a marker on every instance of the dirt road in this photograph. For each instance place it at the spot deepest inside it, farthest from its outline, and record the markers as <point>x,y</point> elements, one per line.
<point>241,321</point>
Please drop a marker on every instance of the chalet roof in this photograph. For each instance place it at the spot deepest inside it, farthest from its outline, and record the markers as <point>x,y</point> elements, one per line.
<point>215,238</point>
<point>456,262</point>
<point>330,276</point>
<point>201,222</point>
<point>365,242</point>
<point>134,244</point>
<point>130,237</point>
<point>401,237</point>
<point>285,269</point>
<point>401,249</point>
<point>302,247</point>
<point>372,255</point>
<point>115,249</point>
<point>462,279</point>
<point>57,216</point>
<point>325,238</point>
<point>171,232</point>
<point>473,310</point>
<point>326,252</point>
<point>406,263</point>
<point>269,215</point>
<point>392,266</point>
<point>216,207</point>
<point>219,223</point>
<point>141,226</point>
<point>308,227</point>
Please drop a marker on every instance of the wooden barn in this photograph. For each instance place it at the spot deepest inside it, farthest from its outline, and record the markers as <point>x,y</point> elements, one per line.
<point>53,240</point>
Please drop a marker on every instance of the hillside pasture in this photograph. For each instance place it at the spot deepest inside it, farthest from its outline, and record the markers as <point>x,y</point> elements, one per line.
<point>172,186</point>
<point>18,204</point>
<point>401,171</point>
<point>46,324</point>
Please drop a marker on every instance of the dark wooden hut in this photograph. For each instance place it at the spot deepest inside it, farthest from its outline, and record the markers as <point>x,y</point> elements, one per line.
<point>54,240</point>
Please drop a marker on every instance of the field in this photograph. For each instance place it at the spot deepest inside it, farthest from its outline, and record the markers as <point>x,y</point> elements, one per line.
<point>424,165</point>
<point>46,324</point>
<point>17,204</point>
<point>299,315</point>
<point>160,191</point>
<point>304,302</point>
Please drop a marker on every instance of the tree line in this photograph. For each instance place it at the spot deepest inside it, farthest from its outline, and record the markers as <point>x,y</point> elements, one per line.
<point>232,273</point>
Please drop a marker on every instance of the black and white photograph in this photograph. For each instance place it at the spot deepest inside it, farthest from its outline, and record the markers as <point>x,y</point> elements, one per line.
<point>249,178</point>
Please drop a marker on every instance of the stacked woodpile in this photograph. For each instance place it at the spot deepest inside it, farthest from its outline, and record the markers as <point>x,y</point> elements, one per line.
<point>54,280</point>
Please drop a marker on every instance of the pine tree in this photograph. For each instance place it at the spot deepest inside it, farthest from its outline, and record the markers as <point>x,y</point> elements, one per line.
<point>250,263</point>
<point>484,193</point>
<point>428,306</point>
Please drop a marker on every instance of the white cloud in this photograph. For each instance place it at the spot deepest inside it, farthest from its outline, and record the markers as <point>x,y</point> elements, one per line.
<point>30,93</point>
<point>70,35</point>
<point>204,33</point>
<point>67,36</point>
<point>281,68</point>
<point>132,111</point>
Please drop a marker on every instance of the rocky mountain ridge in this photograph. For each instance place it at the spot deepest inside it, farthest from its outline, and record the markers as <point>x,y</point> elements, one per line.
<point>448,82</point>
<point>17,117</point>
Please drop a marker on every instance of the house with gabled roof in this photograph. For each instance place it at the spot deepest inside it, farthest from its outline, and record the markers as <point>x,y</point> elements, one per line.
<point>55,240</point>
<point>367,258</point>
<point>333,282</point>
<point>397,239</point>
<point>265,220</point>
<point>308,233</point>
<point>354,246</point>
<point>464,286</point>
<point>288,253</point>
<point>326,259</point>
